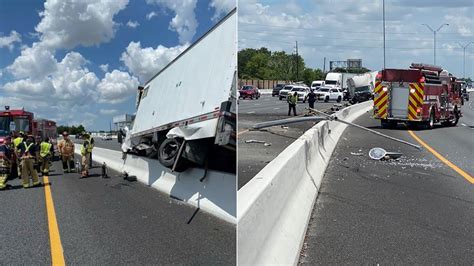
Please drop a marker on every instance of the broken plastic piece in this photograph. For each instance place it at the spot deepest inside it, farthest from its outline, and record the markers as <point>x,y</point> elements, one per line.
<point>254,141</point>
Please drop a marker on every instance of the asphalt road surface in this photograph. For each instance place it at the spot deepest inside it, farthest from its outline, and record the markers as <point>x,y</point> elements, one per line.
<point>108,222</point>
<point>414,210</point>
<point>253,157</point>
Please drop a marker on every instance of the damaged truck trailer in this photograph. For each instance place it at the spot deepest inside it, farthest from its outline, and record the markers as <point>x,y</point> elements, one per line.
<point>186,113</point>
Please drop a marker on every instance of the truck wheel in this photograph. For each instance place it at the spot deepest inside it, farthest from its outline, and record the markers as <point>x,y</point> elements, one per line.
<point>339,99</point>
<point>326,99</point>
<point>280,98</point>
<point>454,121</point>
<point>168,154</point>
<point>431,121</point>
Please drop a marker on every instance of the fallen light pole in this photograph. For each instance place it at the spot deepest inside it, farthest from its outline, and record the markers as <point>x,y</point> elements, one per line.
<point>331,118</point>
<point>288,121</point>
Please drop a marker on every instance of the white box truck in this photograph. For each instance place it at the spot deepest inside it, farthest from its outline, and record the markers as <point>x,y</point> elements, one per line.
<point>339,80</point>
<point>187,111</point>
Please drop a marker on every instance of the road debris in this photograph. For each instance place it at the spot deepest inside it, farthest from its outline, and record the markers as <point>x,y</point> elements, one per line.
<point>381,154</point>
<point>258,141</point>
<point>357,153</point>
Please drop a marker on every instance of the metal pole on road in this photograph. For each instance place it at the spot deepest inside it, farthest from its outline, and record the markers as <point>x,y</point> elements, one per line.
<point>464,58</point>
<point>434,37</point>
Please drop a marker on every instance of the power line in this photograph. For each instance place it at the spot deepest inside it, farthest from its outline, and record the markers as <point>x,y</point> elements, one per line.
<point>343,38</point>
<point>358,32</point>
<point>347,46</point>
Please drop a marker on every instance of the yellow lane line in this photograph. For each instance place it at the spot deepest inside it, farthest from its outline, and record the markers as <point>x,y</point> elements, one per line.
<point>57,256</point>
<point>444,160</point>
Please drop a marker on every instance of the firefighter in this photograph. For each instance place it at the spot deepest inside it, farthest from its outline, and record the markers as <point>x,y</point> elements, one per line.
<point>311,98</point>
<point>46,152</point>
<point>27,150</point>
<point>66,152</point>
<point>292,99</point>
<point>5,162</point>
<point>91,142</point>
<point>86,150</point>
<point>18,138</point>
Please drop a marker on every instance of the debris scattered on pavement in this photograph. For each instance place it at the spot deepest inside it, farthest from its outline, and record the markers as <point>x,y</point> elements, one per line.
<point>258,141</point>
<point>254,141</point>
<point>379,154</point>
<point>127,177</point>
<point>357,153</point>
<point>284,127</point>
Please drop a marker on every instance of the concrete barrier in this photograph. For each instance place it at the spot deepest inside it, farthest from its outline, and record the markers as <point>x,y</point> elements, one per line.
<point>215,195</point>
<point>275,206</point>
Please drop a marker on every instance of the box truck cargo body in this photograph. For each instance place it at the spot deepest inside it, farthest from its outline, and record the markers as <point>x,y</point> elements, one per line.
<point>187,110</point>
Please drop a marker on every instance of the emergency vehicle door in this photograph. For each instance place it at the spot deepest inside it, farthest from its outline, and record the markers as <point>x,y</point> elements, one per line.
<point>399,103</point>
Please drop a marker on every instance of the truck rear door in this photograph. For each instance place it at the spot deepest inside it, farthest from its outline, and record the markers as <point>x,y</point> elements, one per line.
<point>399,92</point>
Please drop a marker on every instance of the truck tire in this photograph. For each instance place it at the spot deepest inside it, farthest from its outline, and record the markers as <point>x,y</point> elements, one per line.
<point>454,121</point>
<point>326,99</point>
<point>280,98</point>
<point>339,99</point>
<point>168,154</point>
<point>431,121</point>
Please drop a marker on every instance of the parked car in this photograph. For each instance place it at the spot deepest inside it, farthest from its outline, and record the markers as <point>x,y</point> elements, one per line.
<point>276,90</point>
<point>106,137</point>
<point>249,91</point>
<point>302,91</point>
<point>329,93</point>
<point>284,92</point>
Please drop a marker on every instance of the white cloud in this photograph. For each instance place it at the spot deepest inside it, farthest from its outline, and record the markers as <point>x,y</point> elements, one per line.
<point>104,67</point>
<point>34,62</point>
<point>68,80</point>
<point>108,111</point>
<point>150,15</point>
<point>133,24</point>
<point>184,22</point>
<point>116,87</point>
<point>221,7</point>
<point>145,62</point>
<point>69,23</point>
<point>8,41</point>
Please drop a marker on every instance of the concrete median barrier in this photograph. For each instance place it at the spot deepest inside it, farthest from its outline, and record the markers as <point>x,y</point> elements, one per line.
<point>275,206</point>
<point>215,195</point>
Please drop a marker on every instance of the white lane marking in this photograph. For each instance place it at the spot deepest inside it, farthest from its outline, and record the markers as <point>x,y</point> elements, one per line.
<point>253,112</point>
<point>276,108</point>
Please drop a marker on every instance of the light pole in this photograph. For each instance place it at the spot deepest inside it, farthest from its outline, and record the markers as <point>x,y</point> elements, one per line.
<point>383,13</point>
<point>434,35</point>
<point>464,58</point>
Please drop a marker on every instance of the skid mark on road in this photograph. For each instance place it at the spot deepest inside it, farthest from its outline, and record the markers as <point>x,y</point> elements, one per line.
<point>444,160</point>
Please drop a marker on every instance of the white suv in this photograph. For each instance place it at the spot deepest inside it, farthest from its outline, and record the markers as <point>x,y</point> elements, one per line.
<point>302,92</point>
<point>328,93</point>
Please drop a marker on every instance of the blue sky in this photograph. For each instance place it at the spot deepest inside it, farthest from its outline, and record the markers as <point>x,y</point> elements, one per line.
<point>343,29</point>
<point>80,61</point>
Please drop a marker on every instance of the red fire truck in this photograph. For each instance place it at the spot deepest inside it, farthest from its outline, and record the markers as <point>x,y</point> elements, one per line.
<point>424,94</point>
<point>21,120</point>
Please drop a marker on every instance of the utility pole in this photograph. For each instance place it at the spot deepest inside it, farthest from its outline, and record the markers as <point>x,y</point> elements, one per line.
<point>324,65</point>
<point>464,58</point>
<point>434,37</point>
<point>297,65</point>
<point>383,14</point>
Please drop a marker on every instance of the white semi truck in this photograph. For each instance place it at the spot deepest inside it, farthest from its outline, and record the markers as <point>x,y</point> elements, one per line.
<point>339,80</point>
<point>186,113</point>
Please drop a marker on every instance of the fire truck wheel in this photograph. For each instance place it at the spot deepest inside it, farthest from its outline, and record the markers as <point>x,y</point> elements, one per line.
<point>339,99</point>
<point>454,121</point>
<point>385,123</point>
<point>168,154</point>
<point>430,123</point>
